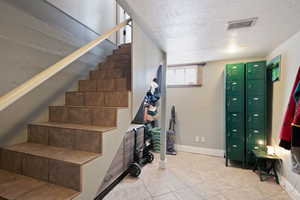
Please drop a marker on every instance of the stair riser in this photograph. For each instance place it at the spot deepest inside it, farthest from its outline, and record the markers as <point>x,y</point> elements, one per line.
<point>83,115</point>
<point>85,99</point>
<point>120,57</point>
<point>109,74</point>
<point>116,98</point>
<point>81,140</point>
<point>119,62</point>
<point>115,65</point>
<point>103,99</point>
<point>49,170</point>
<point>122,51</point>
<point>104,85</point>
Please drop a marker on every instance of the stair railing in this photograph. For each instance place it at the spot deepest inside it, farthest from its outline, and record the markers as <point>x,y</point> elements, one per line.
<point>15,94</point>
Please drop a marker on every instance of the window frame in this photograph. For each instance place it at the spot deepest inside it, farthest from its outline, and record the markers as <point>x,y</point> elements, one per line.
<point>199,76</point>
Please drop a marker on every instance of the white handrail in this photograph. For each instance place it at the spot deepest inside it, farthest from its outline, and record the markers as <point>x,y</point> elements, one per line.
<point>15,94</point>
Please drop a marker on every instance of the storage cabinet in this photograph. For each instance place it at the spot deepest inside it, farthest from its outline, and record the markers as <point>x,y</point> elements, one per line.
<point>246,110</point>
<point>256,108</point>
<point>235,112</point>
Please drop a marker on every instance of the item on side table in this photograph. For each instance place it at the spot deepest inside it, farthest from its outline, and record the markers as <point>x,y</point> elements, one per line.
<point>171,134</point>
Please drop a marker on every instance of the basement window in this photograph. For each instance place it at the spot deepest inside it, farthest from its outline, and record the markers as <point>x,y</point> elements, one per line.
<point>184,76</point>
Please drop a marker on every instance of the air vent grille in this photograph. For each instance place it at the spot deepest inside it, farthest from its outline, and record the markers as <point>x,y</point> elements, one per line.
<point>244,23</point>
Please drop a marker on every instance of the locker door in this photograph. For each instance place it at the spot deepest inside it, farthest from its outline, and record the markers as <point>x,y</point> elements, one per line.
<point>255,87</point>
<point>235,71</point>
<point>256,70</point>
<point>235,120</point>
<point>235,103</point>
<point>256,103</point>
<point>236,130</point>
<point>235,149</point>
<point>235,112</point>
<point>256,120</point>
<point>234,87</point>
<point>256,108</point>
<point>255,136</point>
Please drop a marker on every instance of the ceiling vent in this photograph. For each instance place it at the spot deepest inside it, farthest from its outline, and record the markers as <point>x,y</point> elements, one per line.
<point>243,23</point>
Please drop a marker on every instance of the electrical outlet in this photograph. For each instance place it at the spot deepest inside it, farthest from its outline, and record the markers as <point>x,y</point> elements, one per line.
<point>202,139</point>
<point>197,139</point>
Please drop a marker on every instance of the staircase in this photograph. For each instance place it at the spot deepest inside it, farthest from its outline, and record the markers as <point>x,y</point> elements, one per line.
<point>53,163</point>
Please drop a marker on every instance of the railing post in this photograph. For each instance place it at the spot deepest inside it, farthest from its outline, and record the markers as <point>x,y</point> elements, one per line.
<point>163,144</point>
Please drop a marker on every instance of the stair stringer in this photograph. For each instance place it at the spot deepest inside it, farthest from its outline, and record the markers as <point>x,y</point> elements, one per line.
<point>93,173</point>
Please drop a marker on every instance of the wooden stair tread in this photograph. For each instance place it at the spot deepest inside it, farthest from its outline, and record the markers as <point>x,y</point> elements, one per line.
<point>18,187</point>
<point>125,45</point>
<point>55,153</point>
<point>100,129</point>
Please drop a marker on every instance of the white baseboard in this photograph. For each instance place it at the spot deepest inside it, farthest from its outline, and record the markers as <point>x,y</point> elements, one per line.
<point>200,150</point>
<point>289,188</point>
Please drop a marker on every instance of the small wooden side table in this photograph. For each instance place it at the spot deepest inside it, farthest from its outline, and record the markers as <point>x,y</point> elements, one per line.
<point>265,164</point>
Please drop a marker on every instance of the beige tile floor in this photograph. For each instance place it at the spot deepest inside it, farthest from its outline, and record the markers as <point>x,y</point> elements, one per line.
<point>196,177</point>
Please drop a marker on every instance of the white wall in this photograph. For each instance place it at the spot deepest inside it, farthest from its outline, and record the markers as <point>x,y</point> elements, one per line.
<point>290,51</point>
<point>201,110</point>
<point>146,57</point>
<point>29,45</point>
<point>99,15</point>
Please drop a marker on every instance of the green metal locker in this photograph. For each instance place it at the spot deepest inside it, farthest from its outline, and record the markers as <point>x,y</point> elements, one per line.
<point>256,108</point>
<point>235,112</point>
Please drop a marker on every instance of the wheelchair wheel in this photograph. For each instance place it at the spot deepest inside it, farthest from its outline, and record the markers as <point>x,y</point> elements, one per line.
<point>134,169</point>
<point>149,157</point>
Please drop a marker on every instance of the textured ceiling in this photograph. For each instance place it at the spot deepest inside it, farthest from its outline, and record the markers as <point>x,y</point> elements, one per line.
<point>195,30</point>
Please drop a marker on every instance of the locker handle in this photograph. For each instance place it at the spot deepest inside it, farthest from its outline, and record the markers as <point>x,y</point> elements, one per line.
<point>234,83</point>
<point>234,115</point>
<point>234,99</point>
<point>234,130</point>
<point>256,131</point>
<point>256,66</point>
<point>256,115</point>
<point>235,146</point>
<point>255,147</point>
<point>234,67</point>
<point>255,99</point>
